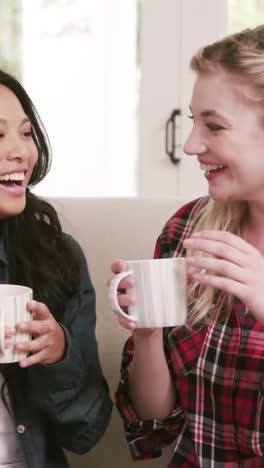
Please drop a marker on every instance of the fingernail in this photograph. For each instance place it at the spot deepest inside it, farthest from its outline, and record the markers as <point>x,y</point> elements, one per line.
<point>23,363</point>
<point>22,326</point>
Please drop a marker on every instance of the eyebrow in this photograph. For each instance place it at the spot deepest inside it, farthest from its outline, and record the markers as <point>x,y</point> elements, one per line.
<point>25,120</point>
<point>212,113</point>
<point>208,113</point>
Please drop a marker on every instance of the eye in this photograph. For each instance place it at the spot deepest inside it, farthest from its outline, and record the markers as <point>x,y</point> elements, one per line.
<point>213,127</point>
<point>27,134</point>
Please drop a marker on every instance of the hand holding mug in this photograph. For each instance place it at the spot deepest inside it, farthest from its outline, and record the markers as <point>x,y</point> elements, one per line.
<point>126,299</point>
<point>160,288</point>
<point>48,345</point>
<point>13,309</point>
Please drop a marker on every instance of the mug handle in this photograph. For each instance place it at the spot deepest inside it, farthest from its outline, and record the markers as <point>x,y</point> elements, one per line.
<point>112,295</point>
<point>2,330</point>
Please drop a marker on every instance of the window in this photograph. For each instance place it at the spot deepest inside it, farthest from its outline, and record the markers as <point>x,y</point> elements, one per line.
<point>11,31</point>
<point>78,61</point>
<point>244,13</point>
<point>79,66</point>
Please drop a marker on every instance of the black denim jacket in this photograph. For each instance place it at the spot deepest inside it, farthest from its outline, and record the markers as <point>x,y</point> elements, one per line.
<point>64,405</point>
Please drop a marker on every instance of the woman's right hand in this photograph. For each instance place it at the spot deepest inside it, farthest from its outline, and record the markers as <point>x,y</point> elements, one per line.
<point>150,385</point>
<point>126,299</point>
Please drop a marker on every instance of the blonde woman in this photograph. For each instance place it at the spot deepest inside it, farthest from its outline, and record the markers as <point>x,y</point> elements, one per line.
<point>201,386</point>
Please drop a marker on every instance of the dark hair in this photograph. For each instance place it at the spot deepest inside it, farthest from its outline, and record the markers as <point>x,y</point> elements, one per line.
<point>39,134</point>
<point>39,255</point>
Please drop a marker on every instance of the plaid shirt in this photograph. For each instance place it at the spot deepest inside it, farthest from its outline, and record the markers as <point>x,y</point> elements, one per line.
<point>218,419</point>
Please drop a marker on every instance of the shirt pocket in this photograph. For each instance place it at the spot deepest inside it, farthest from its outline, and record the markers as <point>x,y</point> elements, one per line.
<point>184,350</point>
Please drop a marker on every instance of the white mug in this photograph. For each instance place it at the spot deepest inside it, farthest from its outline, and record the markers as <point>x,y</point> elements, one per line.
<point>13,309</point>
<point>161,291</point>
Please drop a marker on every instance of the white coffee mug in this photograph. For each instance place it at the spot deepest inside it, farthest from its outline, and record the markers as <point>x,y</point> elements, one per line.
<point>13,309</point>
<point>161,289</point>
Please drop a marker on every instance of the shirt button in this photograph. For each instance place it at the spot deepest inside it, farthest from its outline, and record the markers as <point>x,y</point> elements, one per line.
<point>21,429</point>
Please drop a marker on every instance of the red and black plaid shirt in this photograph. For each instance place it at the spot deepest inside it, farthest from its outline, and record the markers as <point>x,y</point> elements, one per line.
<point>218,374</point>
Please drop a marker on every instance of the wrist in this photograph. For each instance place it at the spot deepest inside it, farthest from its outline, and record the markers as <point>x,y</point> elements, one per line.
<point>148,339</point>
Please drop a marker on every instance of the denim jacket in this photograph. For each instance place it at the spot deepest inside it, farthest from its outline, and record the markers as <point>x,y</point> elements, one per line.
<point>63,405</point>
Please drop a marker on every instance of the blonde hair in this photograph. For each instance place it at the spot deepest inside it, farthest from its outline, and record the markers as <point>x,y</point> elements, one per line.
<point>241,53</point>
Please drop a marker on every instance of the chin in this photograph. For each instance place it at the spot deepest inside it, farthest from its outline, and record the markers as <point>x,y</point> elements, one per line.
<point>8,210</point>
<point>224,197</point>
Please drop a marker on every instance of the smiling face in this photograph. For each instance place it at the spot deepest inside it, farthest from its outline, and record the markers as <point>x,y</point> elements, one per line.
<point>18,154</point>
<point>228,137</point>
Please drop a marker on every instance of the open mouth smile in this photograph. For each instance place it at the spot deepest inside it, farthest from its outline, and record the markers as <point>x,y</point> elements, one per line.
<point>13,177</point>
<point>211,168</point>
<point>13,182</point>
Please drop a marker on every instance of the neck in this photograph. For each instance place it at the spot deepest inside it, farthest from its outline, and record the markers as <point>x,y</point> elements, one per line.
<point>253,230</point>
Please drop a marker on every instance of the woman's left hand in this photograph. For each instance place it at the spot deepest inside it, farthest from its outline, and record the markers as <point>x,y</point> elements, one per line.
<point>238,267</point>
<point>49,344</point>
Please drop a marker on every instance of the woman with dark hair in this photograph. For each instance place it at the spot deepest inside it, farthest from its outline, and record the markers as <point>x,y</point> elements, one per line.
<point>56,397</point>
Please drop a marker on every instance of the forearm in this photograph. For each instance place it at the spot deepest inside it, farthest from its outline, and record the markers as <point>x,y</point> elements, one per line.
<point>150,383</point>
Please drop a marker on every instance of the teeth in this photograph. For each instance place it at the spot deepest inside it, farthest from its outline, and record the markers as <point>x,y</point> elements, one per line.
<point>13,176</point>
<point>210,167</point>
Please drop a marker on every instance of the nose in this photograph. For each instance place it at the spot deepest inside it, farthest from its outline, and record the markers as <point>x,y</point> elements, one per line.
<point>194,144</point>
<point>17,149</point>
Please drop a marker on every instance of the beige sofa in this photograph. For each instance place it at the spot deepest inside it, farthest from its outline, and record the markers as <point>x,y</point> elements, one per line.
<point>109,229</point>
